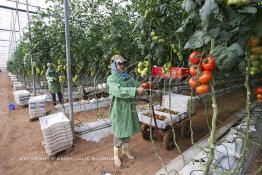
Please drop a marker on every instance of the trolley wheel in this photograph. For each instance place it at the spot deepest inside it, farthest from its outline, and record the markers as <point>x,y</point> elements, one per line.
<point>146,131</point>
<point>185,129</point>
<point>169,140</point>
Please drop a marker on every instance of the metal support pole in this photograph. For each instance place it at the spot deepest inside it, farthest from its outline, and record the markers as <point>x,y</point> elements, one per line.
<point>30,40</point>
<point>19,28</point>
<point>10,38</point>
<point>18,20</point>
<point>68,58</point>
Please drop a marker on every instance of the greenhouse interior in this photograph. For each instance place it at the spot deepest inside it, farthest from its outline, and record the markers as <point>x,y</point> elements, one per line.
<point>131,87</point>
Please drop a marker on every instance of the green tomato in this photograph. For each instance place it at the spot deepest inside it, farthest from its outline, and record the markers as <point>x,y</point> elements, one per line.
<point>146,63</point>
<point>145,70</point>
<point>152,34</point>
<point>144,73</point>
<point>255,63</point>
<point>154,38</point>
<point>175,51</point>
<point>245,2</point>
<point>254,69</point>
<point>253,57</point>
<point>252,73</point>
<point>167,65</point>
<point>140,65</point>
<point>160,41</point>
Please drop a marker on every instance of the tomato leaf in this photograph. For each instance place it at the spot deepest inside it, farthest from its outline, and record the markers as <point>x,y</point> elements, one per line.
<point>189,5</point>
<point>224,36</point>
<point>242,67</point>
<point>248,9</point>
<point>210,7</point>
<point>197,40</point>
<point>227,57</point>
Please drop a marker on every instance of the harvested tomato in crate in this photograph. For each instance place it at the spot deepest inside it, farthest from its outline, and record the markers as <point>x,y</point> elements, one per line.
<point>173,72</point>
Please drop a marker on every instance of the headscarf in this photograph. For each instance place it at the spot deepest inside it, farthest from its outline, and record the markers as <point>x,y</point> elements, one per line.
<point>124,75</point>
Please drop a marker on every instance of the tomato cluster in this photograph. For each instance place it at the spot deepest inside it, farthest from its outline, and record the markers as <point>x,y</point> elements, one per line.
<point>256,57</point>
<point>148,85</point>
<point>259,94</point>
<point>201,72</point>
<point>143,68</point>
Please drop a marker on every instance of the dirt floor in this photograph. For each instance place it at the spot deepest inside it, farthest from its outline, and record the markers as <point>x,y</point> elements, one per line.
<point>21,151</point>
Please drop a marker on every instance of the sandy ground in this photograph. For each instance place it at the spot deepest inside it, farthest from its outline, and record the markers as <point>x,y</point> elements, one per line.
<point>21,151</point>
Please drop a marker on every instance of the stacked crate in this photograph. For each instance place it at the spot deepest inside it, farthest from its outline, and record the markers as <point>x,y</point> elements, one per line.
<point>21,97</point>
<point>57,132</point>
<point>18,86</point>
<point>37,106</point>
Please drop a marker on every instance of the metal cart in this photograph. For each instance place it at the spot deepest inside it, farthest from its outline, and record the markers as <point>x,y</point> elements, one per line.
<point>161,121</point>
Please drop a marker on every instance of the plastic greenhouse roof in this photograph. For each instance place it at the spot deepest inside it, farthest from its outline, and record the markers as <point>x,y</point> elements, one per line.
<point>9,25</point>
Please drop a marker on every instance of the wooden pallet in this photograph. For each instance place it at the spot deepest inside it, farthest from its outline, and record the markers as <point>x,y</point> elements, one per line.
<point>52,156</point>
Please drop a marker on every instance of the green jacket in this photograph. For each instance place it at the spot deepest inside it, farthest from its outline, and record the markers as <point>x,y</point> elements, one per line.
<point>53,85</point>
<point>123,105</point>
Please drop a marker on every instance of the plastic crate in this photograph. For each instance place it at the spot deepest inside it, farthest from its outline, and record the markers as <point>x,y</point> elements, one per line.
<point>173,72</point>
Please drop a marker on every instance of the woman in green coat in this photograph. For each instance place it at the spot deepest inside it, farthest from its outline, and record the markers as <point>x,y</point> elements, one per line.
<point>122,92</point>
<point>54,86</point>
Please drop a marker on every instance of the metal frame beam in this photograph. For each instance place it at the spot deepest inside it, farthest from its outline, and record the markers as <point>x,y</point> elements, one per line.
<point>8,30</point>
<point>25,4</point>
<point>20,10</point>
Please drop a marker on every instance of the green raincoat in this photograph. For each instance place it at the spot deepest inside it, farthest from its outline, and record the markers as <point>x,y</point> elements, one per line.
<point>53,85</point>
<point>123,105</point>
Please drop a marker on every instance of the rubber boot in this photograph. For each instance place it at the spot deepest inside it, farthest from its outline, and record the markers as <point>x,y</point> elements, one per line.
<point>116,157</point>
<point>125,151</point>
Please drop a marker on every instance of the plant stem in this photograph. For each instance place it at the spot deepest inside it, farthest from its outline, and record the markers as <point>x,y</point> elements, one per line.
<point>214,118</point>
<point>247,118</point>
<point>213,130</point>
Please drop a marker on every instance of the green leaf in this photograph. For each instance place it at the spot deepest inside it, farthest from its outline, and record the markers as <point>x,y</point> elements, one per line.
<point>242,67</point>
<point>236,49</point>
<point>152,44</point>
<point>197,40</point>
<point>224,36</point>
<point>248,9</point>
<point>214,32</point>
<point>189,5</point>
<point>227,57</point>
<point>210,7</point>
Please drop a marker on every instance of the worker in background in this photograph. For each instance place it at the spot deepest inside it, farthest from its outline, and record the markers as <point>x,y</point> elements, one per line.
<point>54,86</point>
<point>122,92</point>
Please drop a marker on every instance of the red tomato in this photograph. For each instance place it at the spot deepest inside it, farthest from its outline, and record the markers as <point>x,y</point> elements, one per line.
<point>145,85</point>
<point>195,57</point>
<point>259,90</point>
<point>253,41</point>
<point>208,63</point>
<point>151,85</point>
<point>259,96</point>
<point>193,71</point>
<point>202,89</point>
<point>192,83</point>
<point>205,77</point>
<point>259,100</point>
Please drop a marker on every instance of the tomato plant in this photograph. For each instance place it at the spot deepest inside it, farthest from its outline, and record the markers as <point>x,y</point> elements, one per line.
<point>202,89</point>
<point>208,63</point>
<point>193,82</point>
<point>205,78</point>
<point>193,70</point>
<point>195,57</point>
<point>259,96</point>
<point>253,41</point>
<point>259,90</point>
<point>145,85</point>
